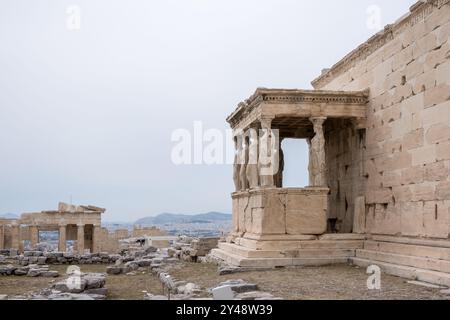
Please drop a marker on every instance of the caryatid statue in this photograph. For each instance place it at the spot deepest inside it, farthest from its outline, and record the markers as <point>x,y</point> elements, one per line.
<point>278,177</point>
<point>317,165</point>
<point>244,163</point>
<point>237,162</point>
<point>252,172</point>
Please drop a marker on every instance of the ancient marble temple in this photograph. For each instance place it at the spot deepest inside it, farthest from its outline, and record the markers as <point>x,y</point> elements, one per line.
<point>80,224</point>
<point>261,206</point>
<point>378,128</point>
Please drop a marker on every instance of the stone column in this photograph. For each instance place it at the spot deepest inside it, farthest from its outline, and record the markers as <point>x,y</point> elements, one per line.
<point>2,237</point>
<point>62,238</point>
<point>34,236</point>
<point>80,239</point>
<point>265,164</point>
<point>15,237</point>
<point>317,165</point>
<point>96,239</point>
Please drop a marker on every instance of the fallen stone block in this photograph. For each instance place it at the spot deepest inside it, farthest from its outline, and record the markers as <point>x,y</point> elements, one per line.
<point>35,272</point>
<point>239,285</point>
<point>132,265</point>
<point>21,271</point>
<point>114,257</point>
<point>50,274</point>
<point>228,270</point>
<point>7,270</point>
<point>94,280</point>
<point>151,249</point>
<point>71,286</point>
<point>114,270</point>
<point>144,262</point>
<point>33,259</point>
<point>96,260</point>
<point>223,293</point>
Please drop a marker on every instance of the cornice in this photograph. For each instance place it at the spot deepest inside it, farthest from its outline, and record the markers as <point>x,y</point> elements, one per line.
<point>295,96</point>
<point>418,13</point>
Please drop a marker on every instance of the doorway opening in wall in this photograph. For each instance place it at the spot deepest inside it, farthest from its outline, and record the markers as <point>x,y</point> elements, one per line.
<point>296,160</point>
<point>48,240</point>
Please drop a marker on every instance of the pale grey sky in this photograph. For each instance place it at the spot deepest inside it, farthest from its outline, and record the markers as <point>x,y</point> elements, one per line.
<point>89,113</point>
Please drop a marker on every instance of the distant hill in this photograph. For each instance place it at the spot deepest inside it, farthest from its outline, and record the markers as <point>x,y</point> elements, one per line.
<point>165,218</point>
<point>9,216</point>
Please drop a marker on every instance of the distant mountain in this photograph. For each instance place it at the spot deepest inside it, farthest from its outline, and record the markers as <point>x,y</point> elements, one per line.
<point>165,218</point>
<point>9,216</point>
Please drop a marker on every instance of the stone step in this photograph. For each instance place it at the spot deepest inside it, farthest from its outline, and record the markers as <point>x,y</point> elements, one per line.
<point>408,249</point>
<point>413,241</point>
<point>295,253</point>
<point>435,277</point>
<point>293,245</point>
<point>229,258</point>
<point>269,263</point>
<point>405,260</point>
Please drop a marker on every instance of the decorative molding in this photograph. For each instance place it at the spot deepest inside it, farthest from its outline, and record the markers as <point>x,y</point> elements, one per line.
<point>418,13</point>
<point>294,96</point>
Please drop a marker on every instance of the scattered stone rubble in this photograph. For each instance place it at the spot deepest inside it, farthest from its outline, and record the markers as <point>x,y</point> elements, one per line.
<point>133,260</point>
<point>192,249</point>
<point>66,258</point>
<point>87,286</point>
<point>91,286</point>
<point>32,270</point>
<point>42,258</point>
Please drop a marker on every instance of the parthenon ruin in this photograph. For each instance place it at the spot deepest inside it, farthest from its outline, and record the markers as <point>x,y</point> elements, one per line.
<point>378,129</point>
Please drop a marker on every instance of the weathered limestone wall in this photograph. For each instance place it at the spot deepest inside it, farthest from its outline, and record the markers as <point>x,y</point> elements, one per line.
<point>344,153</point>
<point>406,156</point>
<point>280,211</point>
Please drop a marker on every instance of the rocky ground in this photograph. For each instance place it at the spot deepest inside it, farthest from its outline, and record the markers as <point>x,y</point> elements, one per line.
<point>332,282</point>
<point>149,273</point>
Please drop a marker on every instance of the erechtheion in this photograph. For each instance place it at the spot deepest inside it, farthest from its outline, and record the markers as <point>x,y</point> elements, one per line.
<point>378,127</point>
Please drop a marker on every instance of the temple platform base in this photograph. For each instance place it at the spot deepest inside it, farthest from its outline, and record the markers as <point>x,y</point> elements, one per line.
<point>425,260</point>
<point>252,251</point>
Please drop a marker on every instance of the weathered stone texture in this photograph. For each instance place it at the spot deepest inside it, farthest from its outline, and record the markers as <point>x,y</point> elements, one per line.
<point>405,153</point>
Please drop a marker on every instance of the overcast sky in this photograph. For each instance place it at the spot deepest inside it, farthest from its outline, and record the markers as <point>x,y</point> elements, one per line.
<point>88,113</point>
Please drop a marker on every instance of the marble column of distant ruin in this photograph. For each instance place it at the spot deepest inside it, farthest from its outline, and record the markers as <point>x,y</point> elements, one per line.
<point>96,238</point>
<point>80,238</point>
<point>62,238</point>
<point>34,236</point>
<point>317,163</point>
<point>265,164</point>
<point>15,237</point>
<point>2,237</point>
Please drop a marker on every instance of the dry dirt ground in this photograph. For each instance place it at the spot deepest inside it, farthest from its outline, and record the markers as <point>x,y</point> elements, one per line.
<point>339,282</point>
